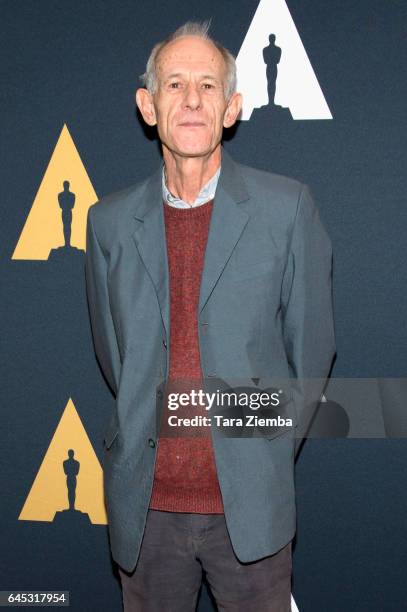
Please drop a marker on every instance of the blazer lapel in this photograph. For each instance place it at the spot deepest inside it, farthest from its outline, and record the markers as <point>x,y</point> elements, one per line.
<point>150,240</point>
<point>226,225</point>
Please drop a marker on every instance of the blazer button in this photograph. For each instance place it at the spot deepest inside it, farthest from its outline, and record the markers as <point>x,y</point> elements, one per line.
<point>159,394</point>
<point>151,443</point>
<point>164,344</point>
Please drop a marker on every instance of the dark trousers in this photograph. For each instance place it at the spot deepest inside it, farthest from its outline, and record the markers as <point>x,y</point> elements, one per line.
<point>178,546</point>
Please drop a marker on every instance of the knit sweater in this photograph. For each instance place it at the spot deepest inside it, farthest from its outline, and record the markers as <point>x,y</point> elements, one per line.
<point>185,477</point>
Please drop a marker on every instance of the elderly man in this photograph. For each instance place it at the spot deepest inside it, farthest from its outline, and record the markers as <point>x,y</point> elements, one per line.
<point>206,270</point>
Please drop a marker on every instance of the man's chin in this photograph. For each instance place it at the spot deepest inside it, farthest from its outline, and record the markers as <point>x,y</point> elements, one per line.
<point>194,150</point>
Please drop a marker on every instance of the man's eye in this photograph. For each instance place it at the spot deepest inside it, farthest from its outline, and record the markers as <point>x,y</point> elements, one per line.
<point>175,85</point>
<point>208,86</point>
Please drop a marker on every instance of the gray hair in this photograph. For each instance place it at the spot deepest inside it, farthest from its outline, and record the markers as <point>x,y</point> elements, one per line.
<point>200,30</point>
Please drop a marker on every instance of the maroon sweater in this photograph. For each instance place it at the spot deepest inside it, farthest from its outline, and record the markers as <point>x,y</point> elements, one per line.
<point>185,478</point>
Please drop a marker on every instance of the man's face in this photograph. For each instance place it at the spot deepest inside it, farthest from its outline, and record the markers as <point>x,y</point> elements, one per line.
<point>189,105</point>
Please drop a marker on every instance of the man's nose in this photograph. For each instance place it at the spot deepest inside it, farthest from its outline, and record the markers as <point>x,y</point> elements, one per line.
<point>192,98</point>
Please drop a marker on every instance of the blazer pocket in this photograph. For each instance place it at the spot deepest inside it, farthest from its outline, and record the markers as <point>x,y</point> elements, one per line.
<point>289,413</point>
<point>248,270</point>
<point>280,433</point>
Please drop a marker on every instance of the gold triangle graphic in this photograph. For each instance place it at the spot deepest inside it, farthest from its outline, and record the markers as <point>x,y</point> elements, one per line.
<point>44,226</point>
<point>56,476</point>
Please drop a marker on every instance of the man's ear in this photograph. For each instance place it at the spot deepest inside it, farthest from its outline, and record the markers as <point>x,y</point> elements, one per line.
<point>232,110</point>
<point>144,101</point>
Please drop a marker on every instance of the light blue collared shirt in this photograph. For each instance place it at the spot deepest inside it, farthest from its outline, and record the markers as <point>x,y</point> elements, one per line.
<point>207,193</point>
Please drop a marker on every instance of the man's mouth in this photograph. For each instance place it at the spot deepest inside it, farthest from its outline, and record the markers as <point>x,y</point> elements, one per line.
<point>192,124</point>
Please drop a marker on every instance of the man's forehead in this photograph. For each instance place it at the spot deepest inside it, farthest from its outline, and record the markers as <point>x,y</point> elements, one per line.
<point>190,51</point>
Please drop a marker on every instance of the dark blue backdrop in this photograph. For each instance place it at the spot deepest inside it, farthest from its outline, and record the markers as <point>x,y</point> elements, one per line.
<point>78,63</point>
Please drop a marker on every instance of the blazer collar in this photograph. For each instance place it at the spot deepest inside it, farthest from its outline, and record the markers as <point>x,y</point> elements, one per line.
<point>230,181</point>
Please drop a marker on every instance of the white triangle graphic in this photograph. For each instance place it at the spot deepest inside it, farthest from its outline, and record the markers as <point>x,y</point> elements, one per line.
<point>297,87</point>
<point>293,605</point>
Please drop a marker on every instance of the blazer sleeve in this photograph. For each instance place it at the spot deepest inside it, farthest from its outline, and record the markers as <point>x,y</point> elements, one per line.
<point>103,332</point>
<point>307,309</point>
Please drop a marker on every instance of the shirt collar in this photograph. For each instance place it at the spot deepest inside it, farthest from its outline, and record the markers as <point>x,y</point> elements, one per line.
<point>207,192</point>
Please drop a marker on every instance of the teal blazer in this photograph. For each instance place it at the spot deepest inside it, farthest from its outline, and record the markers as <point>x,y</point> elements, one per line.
<point>265,311</point>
